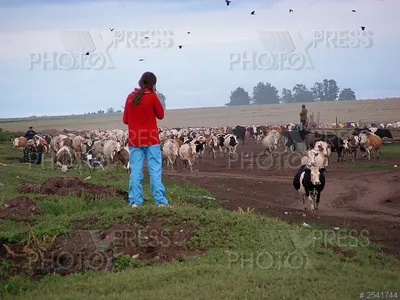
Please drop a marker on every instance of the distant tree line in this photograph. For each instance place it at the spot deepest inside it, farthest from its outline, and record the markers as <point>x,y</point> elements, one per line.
<point>111,110</point>
<point>265,93</point>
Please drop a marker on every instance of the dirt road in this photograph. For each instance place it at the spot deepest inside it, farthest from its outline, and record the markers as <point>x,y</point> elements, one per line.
<point>359,198</point>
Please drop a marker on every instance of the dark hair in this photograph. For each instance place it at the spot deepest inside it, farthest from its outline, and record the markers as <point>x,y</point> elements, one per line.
<point>303,106</point>
<point>148,80</point>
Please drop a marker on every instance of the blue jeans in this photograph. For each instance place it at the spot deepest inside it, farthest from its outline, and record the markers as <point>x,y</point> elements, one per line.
<point>39,158</point>
<point>154,165</point>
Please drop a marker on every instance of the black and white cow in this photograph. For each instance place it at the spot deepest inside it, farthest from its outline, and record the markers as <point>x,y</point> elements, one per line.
<point>227,142</point>
<point>383,132</point>
<point>200,145</point>
<point>310,181</point>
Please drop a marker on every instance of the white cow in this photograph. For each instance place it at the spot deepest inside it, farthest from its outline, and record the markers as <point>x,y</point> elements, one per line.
<point>324,150</point>
<point>187,153</point>
<point>170,151</point>
<point>110,149</point>
<point>270,142</point>
<point>314,158</point>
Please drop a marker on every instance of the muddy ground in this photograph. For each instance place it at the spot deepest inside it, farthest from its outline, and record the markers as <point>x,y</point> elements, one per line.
<point>359,198</point>
<point>153,242</point>
<point>21,206</point>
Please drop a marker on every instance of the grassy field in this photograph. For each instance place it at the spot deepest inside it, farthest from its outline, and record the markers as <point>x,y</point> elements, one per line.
<point>229,255</point>
<point>384,110</point>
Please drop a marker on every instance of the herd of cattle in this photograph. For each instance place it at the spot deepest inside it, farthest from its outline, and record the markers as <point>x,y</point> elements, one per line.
<point>189,144</point>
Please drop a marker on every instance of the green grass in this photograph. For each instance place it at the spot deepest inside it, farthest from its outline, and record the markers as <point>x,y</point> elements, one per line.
<point>392,150</point>
<point>4,137</point>
<point>245,256</point>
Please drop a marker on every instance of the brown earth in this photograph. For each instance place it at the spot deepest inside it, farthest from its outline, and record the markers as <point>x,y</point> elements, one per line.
<point>356,198</point>
<point>64,186</point>
<point>85,250</point>
<point>21,206</point>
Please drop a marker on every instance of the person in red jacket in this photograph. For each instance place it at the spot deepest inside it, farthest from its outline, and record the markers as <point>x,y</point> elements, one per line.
<point>141,111</point>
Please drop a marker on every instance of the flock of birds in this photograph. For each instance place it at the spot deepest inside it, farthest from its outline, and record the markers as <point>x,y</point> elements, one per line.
<point>228,2</point>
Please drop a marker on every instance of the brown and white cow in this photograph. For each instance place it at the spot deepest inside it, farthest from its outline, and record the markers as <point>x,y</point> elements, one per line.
<point>324,149</point>
<point>372,144</point>
<point>59,141</point>
<point>19,142</point>
<point>65,158</point>
<point>77,143</point>
<point>41,141</point>
<point>350,145</point>
<point>121,158</point>
<point>110,148</point>
<point>212,145</point>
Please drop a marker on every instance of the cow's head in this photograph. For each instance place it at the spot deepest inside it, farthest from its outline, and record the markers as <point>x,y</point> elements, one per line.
<point>310,156</point>
<point>314,173</point>
<point>16,143</point>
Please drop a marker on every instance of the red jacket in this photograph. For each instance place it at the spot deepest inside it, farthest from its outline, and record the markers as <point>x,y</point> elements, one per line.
<point>141,120</point>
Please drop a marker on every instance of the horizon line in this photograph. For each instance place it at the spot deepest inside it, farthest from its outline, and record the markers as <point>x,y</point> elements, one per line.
<point>4,120</point>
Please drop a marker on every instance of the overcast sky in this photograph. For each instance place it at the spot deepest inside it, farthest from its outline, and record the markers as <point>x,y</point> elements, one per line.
<point>200,73</point>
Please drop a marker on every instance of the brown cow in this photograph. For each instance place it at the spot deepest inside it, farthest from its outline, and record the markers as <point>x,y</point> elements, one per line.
<point>372,143</point>
<point>277,128</point>
<point>77,143</point>
<point>40,141</point>
<point>19,142</point>
<point>121,158</point>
